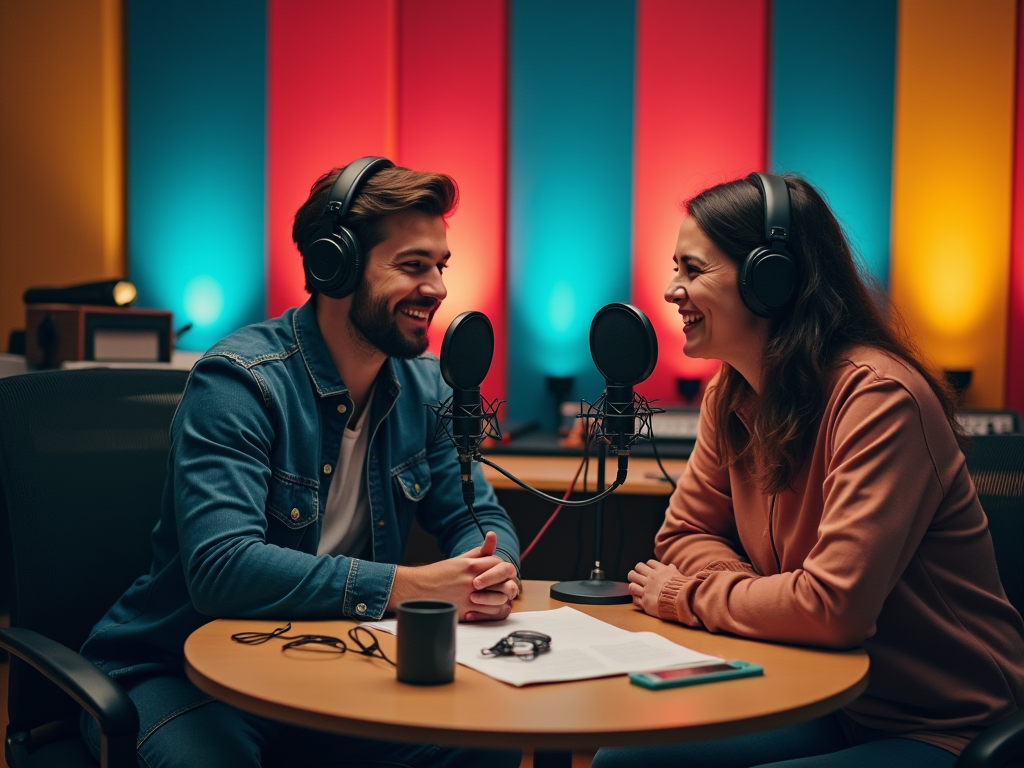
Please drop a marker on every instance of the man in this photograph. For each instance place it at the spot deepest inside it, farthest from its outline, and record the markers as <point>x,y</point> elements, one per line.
<point>300,454</point>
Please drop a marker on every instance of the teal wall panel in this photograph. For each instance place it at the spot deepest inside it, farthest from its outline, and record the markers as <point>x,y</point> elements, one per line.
<point>833,73</point>
<point>195,108</point>
<point>570,188</point>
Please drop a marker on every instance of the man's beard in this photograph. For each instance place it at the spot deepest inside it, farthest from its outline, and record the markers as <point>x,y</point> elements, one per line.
<point>376,323</point>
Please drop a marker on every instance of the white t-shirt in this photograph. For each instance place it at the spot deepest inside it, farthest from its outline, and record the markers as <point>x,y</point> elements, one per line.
<point>346,525</point>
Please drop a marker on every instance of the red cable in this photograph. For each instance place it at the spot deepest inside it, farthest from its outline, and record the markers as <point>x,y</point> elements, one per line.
<point>568,493</point>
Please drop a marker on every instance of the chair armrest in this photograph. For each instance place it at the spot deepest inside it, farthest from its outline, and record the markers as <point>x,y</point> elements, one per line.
<point>95,691</point>
<point>999,745</point>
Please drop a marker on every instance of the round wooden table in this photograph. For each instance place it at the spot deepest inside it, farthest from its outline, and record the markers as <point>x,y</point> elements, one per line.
<point>360,696</point>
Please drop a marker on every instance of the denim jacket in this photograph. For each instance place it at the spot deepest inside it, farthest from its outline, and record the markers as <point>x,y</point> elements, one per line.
<point>253,445</point>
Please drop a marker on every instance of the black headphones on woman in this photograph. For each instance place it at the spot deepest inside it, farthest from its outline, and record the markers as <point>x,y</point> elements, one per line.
<point>767,275</point>
<point>334,261</point>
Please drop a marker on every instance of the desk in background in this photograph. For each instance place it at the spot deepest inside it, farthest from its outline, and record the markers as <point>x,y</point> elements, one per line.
<point>632,516</point>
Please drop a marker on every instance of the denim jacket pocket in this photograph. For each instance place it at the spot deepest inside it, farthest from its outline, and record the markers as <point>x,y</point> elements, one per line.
<point>413,479</point>
<point>292,500</point>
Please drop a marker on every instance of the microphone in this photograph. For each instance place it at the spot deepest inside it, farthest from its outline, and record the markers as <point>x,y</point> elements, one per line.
<point>625,350</point>
<point>108,293</point>
<point>466,417</point>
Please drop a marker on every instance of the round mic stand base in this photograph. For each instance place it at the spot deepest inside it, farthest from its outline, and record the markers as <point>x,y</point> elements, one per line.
<point>592,592</point>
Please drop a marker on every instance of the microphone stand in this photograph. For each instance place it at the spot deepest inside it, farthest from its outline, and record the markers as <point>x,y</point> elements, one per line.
<point>596,590</point>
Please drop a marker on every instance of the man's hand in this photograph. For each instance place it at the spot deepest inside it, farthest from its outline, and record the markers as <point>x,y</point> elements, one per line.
<point>479,583</point>
<point>646,582</point>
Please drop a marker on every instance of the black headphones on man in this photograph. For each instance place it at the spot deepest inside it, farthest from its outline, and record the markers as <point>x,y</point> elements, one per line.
<point>767,276</point>
<point>334,261</point>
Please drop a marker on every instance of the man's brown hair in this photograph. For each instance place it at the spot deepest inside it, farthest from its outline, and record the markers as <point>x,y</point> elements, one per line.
<point>390,190</point>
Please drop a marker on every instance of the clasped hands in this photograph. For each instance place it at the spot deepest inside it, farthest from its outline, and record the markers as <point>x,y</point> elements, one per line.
<point>647,580</point>
<point>481,584</point>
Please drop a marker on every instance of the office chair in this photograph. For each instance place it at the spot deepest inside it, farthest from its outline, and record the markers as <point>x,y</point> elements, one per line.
<point>83,459</point>
<point>996,464</point>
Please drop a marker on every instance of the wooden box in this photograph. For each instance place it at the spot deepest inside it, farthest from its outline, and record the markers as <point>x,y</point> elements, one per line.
<point>58,332</point>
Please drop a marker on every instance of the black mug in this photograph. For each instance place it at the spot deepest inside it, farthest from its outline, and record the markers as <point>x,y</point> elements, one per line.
<point>426,641</point>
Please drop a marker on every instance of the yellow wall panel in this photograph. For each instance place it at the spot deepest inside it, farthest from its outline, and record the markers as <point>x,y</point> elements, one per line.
<point>61,147</point>
<point>952,163</point>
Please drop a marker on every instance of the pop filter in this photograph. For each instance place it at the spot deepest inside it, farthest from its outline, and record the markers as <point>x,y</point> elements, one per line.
<point>623,344</point>
<point>467,350</point>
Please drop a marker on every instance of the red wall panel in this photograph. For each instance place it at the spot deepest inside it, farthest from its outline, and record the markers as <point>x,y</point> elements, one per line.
<point>1015,333</point>
<point>331,68</point>
<point>700,119</point>
<point>451,119</point>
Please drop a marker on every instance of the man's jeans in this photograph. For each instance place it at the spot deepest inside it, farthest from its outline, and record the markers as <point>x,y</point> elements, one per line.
<point>201,732</point>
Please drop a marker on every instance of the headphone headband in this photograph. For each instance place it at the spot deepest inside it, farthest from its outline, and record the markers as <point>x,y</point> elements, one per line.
<point>776,206</point>
<point>349,182</point>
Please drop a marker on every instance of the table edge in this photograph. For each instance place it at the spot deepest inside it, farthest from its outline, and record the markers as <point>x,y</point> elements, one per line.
<point>521,739</point>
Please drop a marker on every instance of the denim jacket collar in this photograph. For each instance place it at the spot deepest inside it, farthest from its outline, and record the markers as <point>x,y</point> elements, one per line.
<point>314,351</point>
<point>319,362</point>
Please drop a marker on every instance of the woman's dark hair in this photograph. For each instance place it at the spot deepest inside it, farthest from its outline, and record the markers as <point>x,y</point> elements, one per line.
<point>390,190</point>
<point>832,310</point>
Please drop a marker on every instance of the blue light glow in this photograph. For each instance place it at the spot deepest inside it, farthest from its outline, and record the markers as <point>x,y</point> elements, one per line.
<point>561,306</point>
<point>196,149</point>
<point>204,301</point>
<point>833,86</point>
<point>570,190</point>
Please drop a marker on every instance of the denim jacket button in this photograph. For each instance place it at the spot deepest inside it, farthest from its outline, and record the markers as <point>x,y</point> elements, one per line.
<point>342,408</point>
<point>327,469</point>
<point>295,514</point>
<point>361,608</point>
<point>416,487</point>
<point>380,524</point>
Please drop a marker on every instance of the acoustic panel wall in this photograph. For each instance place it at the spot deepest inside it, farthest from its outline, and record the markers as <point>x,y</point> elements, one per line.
<point>1015,326</point>
<point>331,97</point>
<point>569,189</point>
<point>61,158</point>
<point>833,76</point>
<point>696,124</point>
<point>451,118</point>
<point>195,151</point>
<point>952,182</point>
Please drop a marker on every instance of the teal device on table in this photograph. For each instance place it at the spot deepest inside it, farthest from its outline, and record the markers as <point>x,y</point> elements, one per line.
<point>705,673</point>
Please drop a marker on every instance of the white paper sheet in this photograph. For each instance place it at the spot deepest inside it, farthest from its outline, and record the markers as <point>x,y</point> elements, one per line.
<point>582,647</point>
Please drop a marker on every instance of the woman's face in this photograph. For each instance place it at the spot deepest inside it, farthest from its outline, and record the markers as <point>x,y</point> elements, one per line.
<point>716,322</point>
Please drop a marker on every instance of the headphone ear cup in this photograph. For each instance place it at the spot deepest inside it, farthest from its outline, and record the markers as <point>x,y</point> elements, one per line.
<point>334,263</point>
<point>767,280</point>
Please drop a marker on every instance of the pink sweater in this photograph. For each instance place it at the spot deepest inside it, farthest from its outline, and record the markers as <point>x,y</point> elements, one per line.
<point>880,543</point>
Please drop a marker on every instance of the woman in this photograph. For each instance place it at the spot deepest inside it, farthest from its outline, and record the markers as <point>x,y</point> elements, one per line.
<point>827,502</point>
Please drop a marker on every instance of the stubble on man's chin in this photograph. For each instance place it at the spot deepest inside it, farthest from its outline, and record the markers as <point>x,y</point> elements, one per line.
<point>376,324</point>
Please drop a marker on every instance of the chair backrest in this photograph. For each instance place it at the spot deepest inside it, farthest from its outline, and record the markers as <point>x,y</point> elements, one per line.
<point>83,459</point>
<point>996,464</point>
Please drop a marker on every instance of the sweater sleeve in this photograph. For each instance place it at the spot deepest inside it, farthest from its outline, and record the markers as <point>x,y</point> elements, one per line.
<point>880,491</point>
<point>699,528</point>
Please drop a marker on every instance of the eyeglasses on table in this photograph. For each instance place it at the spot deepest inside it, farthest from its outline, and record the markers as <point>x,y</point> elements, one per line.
<point>362,637</point>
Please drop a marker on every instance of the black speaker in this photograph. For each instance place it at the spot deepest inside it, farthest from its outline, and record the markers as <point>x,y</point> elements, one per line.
<point>334,261</point>
<point>767,275</point>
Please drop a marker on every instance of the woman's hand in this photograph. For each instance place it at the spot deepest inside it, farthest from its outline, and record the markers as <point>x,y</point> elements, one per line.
<point>646,582</point>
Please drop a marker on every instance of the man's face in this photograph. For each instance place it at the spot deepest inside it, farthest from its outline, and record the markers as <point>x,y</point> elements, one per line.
<point>401,286</point>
